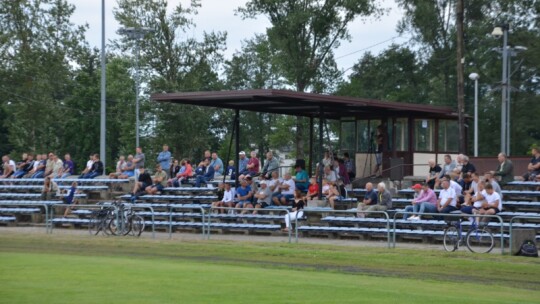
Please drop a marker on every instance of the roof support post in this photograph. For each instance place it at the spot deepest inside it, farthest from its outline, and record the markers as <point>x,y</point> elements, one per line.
<point>321,149</point>
<point>236,144</point>
<point>310,165</point>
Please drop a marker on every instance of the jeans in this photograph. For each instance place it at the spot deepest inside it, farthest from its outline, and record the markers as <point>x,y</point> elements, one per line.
<point>201,179</point>
<point>89,175</point>
<point>38,174</point>
<point>425,207</point>
<point>19,174</point>
<point>409,208</point>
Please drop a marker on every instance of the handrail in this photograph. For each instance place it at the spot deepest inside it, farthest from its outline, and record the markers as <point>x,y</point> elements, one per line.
<point>183,207</point>
<point>244,209</point>
<point>49,220</point>
<point>143,206</point>
<point>456,215</point>
<point>44,205</point>
<point>386,215</point>
<point>512,221</point>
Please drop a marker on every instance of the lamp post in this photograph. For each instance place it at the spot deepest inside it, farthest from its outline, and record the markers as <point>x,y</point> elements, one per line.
<point>498,32</point>
<point>137,34</point>
<point>475,77</point>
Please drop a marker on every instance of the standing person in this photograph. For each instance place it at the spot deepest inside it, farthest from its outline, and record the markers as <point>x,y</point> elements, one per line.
<point>138,160</point>
<point>349,164</point>
<point>69,199</point>
<point>297,210</point>
<point>379,143</point>
<point>505,169</point>
<point>217,164</point>
<point>164,159</point>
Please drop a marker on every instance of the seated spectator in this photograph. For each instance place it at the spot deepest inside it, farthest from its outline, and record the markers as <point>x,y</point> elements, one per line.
<point>89,164</point>
<point>466,184</point>
<point>493,202</point>
<point>287,189</point>
<point>325,187</point>
<point>205,173</point>
<point>475,201</point>
<point>24,167</point>
<point>96,170</point>
<point>301,179</point>
<point>69,199</point>
<point>383,203</point>
<point>217,164</point>
<point>58,166</point>
<point>175,168</point>
<point>489,178</point>
<point>121,164</point>
<point>426,202</point>
<point>243,195</point>
<point>329,174</point>
<point>68,168</point>
<point>447,201</point>
<point>434,171</point>
<point>227,200</point>
<point>370,199</point>
<point>271,164</point>
<point>8,166</point>
<point>297,210</point>
<point>466,166</point>
<point>533,168</point>
<point>313,189</point>
<point>186,171</point>
<point>142,183</point>
<point>242,164</point>
<point>231,170</point>
<point>505,170</point>
<point>39,170</point>
<point>336,192</point>
<point>274,184</point>
<point>447,169</point>
<point>50,189</point>
<point>263,197</point>
<point>129,170</point>
<point>253,185</point>
<point>159,181</point>
<point>417,188</point>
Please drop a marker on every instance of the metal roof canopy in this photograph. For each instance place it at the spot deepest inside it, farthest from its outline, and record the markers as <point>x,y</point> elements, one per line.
<point>305,104</point>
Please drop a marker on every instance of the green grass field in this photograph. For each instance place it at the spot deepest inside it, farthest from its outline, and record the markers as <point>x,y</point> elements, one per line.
<point>84,269</point>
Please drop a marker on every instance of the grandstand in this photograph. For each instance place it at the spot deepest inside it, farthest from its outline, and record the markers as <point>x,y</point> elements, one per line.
<point>188,210</point>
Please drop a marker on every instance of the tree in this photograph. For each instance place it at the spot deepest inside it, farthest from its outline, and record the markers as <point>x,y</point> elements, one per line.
<point>304,34</point>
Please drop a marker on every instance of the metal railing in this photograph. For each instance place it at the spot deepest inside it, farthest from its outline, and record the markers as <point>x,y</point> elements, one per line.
<point>44,205</point>
<point>527,217</point>
<point>183,207</point>
<point>386,215</point>
<point>445,215</point>
<point>211,213</point>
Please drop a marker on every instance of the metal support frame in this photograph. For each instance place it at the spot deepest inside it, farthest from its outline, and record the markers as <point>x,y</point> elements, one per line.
<point>179,206</point>
<point>528,217</point>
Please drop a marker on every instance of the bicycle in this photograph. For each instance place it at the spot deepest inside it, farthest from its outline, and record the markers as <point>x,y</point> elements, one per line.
<point>100,220</point>
<point>478,239</point>
<point>126,222</point>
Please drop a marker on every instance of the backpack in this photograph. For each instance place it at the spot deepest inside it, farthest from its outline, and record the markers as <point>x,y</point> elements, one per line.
<point>528,249</point>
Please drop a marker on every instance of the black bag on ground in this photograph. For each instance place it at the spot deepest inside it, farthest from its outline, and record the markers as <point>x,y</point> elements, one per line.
<point>528,248</point>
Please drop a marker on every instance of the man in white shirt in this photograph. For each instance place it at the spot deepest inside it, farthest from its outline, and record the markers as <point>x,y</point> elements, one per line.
<point>447,197</point>
<point>227,200</point>
<point>9,167</point>
<point>493,202</point>
<point>287,188</point>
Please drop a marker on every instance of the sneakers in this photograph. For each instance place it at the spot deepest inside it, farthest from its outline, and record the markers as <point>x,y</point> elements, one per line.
<point>414,218</point>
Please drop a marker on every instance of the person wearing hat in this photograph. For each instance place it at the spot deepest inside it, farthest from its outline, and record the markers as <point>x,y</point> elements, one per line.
<point>242,163</point>
<point>426,202</point>
<point>417,192</point>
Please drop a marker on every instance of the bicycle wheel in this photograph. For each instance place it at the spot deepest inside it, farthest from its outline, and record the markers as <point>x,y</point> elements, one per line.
<point>119,226</point>
<point>480,240</point>
<point>94,226</point>
<point>451,239</point>
<point>137,225</point>
<point>107,223</point>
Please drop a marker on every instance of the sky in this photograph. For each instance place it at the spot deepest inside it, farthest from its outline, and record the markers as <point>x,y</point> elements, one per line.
<point>218,15</point>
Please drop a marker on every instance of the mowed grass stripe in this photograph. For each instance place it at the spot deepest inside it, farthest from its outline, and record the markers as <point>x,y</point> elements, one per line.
<point>60,278</point>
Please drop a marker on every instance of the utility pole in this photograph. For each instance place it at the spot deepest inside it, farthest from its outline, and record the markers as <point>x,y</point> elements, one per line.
<point>103,130</point>
<point>460,72</point>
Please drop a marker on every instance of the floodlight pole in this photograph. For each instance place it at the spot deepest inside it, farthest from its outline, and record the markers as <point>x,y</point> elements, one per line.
<point>136,34</point>
<point>103,124</point>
